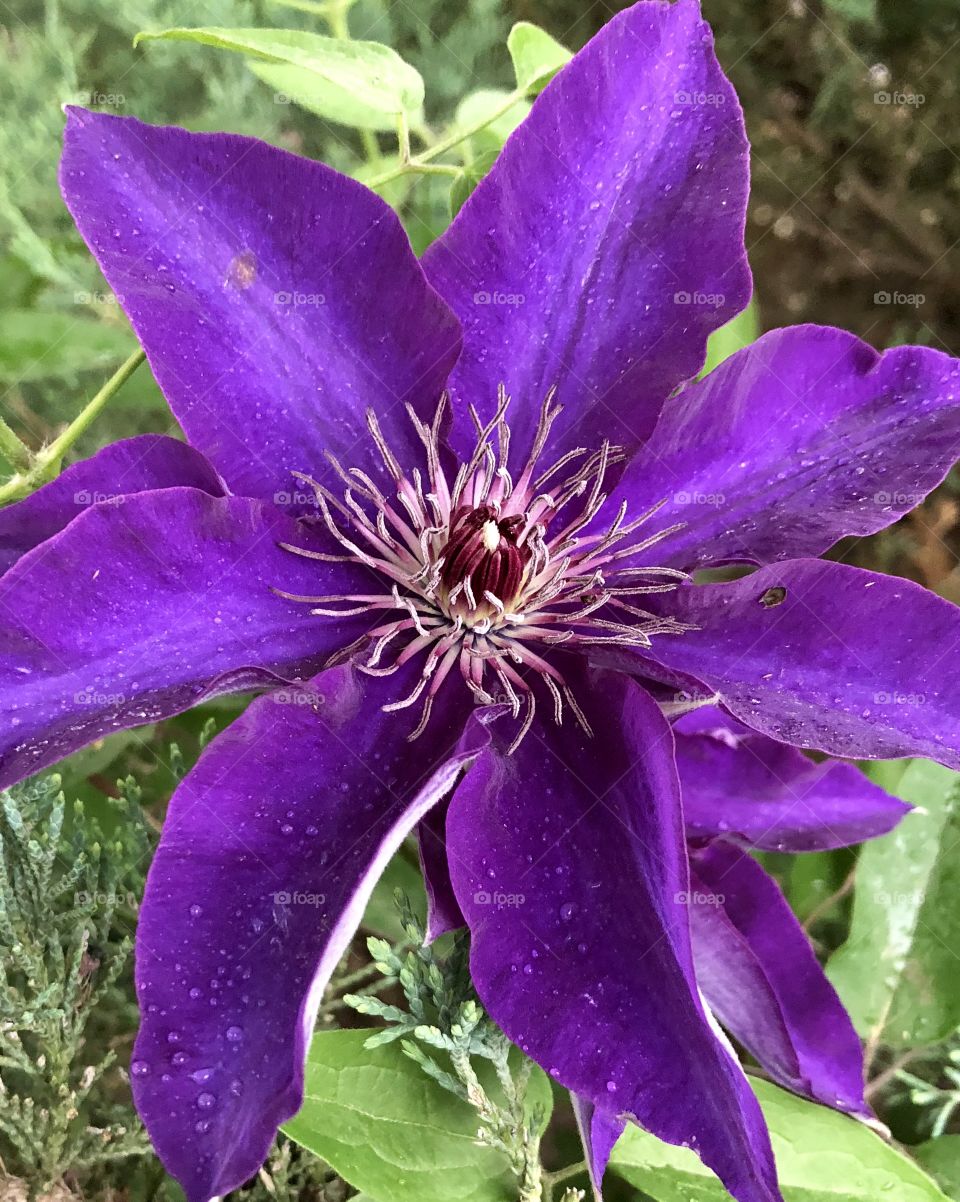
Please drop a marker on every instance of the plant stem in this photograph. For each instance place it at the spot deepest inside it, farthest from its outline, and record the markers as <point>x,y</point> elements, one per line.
<point>12,449</point>
<point>552,1180</point>
<point>46,463</point>
<point>833,900</point>
<point>421,163</point>
<point>336,16</point>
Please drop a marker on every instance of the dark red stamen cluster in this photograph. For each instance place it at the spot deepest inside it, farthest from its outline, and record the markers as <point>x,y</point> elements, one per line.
<point>483,550</point>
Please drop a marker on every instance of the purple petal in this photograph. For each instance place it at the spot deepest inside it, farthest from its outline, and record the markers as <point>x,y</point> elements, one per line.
<point>276,299</point>
<point>599,1131</point>
<point>823,655</point>
<point>270,851</point>
<point>622,192</point>
<point>569,862</point>
<point>134,465</point>
<point>443,909</point>
<point>802,438</point>
<point>739,783</point>
<point>760,977</point>
<point>139,610</point>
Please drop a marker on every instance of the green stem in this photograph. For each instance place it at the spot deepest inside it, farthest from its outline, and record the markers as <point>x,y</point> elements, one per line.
<point>421,162</point>
<point>12,449</point>
<point>336,17</point>
<point>552,1180</point>
<point>45,464</point>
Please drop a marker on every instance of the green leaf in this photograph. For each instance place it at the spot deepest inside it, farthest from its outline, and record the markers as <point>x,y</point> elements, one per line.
<point>941,1158</point>
<point>897,973</point>
<point>471,175</point>
<point>381,915</point>
<point>489,107</point>
<point>854,10</point>
<point>363,84</point>
<point>739,332</point>
<point>55,346</point>
<point>537,57</point>
<point>822,1156</point>
<point>391,1131</point>
<point>810,879</point>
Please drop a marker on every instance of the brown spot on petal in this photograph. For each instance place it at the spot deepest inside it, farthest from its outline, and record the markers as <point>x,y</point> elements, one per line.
<point>242,270</point>
<point>773,596</point>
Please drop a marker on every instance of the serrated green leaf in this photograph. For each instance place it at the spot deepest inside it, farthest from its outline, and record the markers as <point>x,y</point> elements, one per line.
<point>536,56</point>
<point>56,346</point>
<point>941,1158</point>
<point>387,1128</point>
<point>822,1156</point>
<point>898,974</point>
<point>739,332</point>
<point>363,84</point>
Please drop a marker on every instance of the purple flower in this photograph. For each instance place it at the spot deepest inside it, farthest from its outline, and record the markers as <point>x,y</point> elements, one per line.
<point>475,615</point>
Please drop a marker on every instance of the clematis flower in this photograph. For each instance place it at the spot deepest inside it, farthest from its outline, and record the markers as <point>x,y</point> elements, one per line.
<point>453,536</point>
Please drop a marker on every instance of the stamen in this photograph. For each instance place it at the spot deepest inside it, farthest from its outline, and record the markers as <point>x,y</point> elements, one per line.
<point>486,574</point>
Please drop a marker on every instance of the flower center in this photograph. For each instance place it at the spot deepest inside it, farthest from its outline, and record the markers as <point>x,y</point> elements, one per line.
<point>487,574</point>
<point>482,566</point>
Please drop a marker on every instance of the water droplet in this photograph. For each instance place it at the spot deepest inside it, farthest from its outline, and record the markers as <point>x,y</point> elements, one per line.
<point>139,1068</point>
<point>611,1087</point>
<point>195,910</point>
<point>234,1034</point>
<point>206,1101</point>
<point>568,910</point>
